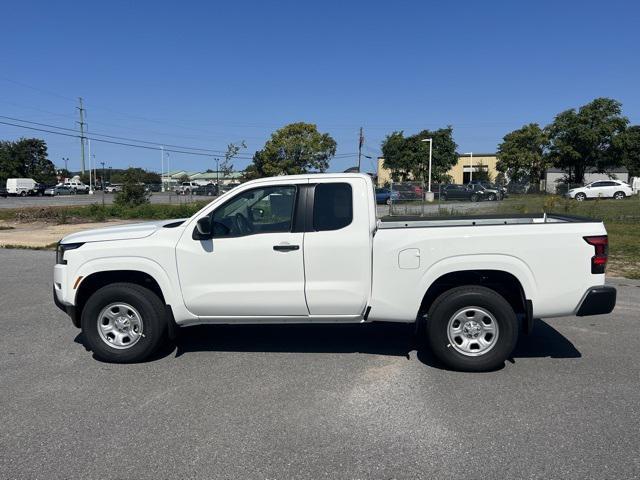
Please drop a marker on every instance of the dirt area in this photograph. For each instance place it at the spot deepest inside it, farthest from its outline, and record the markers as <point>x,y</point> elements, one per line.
<point>42,234</point>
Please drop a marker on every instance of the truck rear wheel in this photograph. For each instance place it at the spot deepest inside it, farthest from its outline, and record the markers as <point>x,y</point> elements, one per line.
<point>124,323</point>
<point>472,328</point>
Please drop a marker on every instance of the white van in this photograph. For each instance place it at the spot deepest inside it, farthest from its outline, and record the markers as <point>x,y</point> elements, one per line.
<point>21,186</point>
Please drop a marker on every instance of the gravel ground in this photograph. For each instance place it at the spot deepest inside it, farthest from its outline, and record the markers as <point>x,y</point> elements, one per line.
<point>316,401</point>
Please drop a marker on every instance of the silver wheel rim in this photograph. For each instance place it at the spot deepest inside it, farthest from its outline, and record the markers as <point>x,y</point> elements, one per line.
<point>472,331</point>
<point>618,196</point>
<point>120,325</point>
<point>579,197</point>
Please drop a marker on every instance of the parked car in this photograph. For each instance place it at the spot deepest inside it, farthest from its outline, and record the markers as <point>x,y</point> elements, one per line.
<point>3,192</point>
<point>209,190</point>
<point>59,190</point>
<point>309,248</point>
<point>113,188</point>
<point>386,196</point>
<point>472,192</point>
<point>408,191</point>
<point>224,188</point>
<point>40,188</point>
<point>153,187</point>
<point>77,186</point>
<point>20,186</point>
<point>501,191</point>
<point>601,189</point>
<point>187,188</point>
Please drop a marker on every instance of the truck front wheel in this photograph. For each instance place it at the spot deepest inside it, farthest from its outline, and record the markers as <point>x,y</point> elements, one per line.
<point>472,328</point>
<point>124,323</point>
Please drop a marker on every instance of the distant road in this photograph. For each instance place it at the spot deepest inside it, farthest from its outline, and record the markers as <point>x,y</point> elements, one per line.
<point>85,199</point>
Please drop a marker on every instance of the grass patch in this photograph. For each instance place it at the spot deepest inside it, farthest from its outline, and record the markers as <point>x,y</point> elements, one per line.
<point>624,250</point>
<point>613,211</point>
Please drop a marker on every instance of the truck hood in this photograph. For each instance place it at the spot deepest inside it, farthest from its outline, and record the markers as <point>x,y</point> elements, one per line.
<point>121,232</point>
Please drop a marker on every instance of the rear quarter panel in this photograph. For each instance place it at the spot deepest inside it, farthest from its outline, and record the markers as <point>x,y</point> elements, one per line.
<point>551,261</point>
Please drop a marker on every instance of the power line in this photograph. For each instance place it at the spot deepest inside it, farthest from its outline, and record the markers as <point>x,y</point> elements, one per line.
<point>94,134</point>
<point>111,141</point>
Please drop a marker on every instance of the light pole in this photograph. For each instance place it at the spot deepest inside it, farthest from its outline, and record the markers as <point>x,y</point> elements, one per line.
<point>429,196</point>
<point>470,166</point>
<point>90,185</point>
<point>217,175</point>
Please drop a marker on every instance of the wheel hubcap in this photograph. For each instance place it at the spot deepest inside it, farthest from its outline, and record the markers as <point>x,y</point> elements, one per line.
<point>120,325</point>
<point>472,331</point>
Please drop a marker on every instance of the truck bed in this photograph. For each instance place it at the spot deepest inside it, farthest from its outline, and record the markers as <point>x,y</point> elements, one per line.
<point>416,221</point>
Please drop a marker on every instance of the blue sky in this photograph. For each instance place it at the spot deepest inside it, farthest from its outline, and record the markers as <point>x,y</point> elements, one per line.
<point>203,74</point>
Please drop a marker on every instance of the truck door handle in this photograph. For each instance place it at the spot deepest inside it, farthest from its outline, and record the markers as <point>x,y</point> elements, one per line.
<point>286,248</point>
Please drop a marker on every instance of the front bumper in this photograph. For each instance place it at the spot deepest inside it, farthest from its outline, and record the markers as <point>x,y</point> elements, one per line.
<point>597,301</point>
<point>68,309</point>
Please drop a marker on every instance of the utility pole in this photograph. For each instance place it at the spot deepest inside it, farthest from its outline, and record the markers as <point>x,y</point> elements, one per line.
<point>82,124</point>
<point>162,166</point>
<point>360,143</point>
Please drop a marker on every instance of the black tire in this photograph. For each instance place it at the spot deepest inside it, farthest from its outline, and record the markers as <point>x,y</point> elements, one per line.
<point>619,195</point>
<point>445,307</point>
<point>443,197</point>
<point>474,198</point>
<point>492,197</point>
<point>580,197</point>
<point>23,194</point>
<point>148,305</point>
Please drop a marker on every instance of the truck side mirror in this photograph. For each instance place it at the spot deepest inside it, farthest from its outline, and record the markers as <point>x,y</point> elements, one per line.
<point>203,229</point>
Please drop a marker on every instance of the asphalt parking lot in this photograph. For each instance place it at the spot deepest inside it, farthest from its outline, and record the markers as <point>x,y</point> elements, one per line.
<point>312,401</point>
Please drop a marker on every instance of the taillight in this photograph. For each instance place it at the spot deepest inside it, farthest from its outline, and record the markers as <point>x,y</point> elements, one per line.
<point>601,246</point>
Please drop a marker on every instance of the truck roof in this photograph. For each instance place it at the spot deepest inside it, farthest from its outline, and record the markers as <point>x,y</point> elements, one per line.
<point>311,176</point>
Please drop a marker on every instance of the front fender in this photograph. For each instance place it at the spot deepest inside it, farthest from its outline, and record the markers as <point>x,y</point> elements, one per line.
<point>170,290</point>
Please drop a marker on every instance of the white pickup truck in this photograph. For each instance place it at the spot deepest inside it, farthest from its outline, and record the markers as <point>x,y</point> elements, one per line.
<point>310,249</point>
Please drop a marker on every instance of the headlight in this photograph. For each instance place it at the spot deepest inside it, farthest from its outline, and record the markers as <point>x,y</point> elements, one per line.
<point>63,247</point>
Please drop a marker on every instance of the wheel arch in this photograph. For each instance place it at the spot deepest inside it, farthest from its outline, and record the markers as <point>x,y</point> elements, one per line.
<point>94,281</point>
<point>502,282</point>
<point>508,275</point>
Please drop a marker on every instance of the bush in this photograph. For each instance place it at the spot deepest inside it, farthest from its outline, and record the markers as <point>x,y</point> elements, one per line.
<point>133,192</point>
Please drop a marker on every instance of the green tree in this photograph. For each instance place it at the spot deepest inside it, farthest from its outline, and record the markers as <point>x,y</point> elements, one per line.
<point>26,158</point>
<point>408,157</point>
<point>627,147</point>
<point>522,154</point>
<point>295,148</point>
<point>584,139</point>
<point>133,191</point>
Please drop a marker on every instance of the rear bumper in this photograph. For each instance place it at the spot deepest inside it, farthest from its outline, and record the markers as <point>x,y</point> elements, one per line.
<point>597,301</point>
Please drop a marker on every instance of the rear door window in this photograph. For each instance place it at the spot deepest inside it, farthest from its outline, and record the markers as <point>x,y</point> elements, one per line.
<point>332,206</point>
